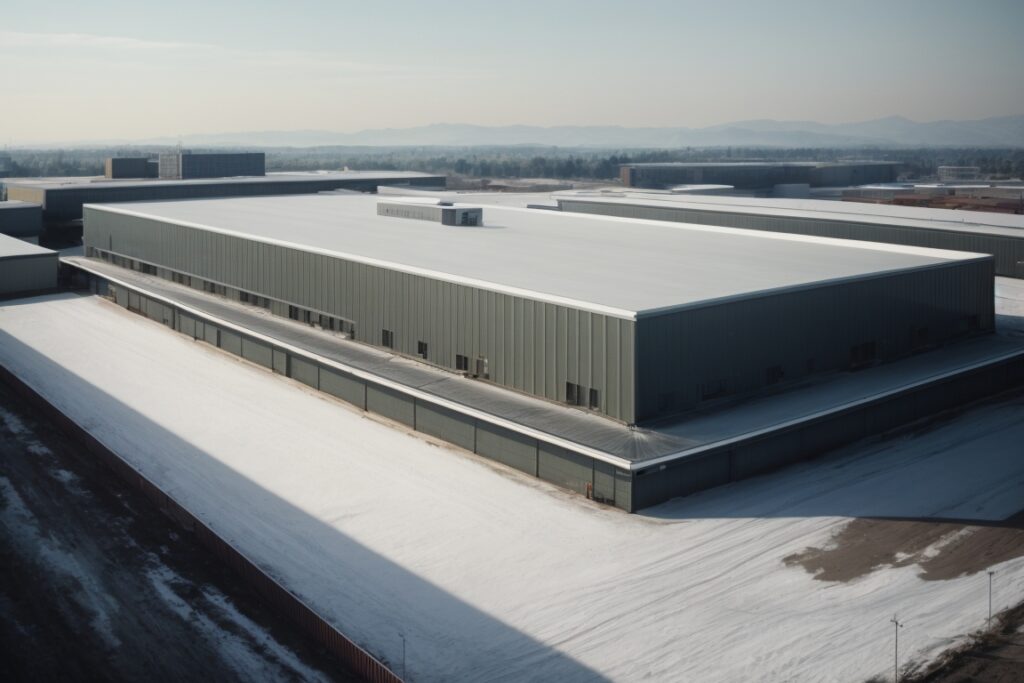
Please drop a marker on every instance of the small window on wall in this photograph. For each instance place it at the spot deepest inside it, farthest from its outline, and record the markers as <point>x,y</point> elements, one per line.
<point>421,349</point>
<point>461,362</point>
<point>574,394</point>
<point>387,338</point>
<point>595,399</point>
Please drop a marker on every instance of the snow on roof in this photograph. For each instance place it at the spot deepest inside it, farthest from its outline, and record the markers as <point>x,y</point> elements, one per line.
<point>615,266</point>
<point>911,216</point>
<point>12,247</point>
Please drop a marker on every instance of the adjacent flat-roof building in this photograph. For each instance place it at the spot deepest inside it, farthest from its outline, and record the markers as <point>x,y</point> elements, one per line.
<point>634,320</point>
<point>25,268</point>
<point>758,174</point>
<point>21,219</point>
<point>1001,235</point>
<point>130,167</point>
<point>186,165</point>
<point>62,198</point>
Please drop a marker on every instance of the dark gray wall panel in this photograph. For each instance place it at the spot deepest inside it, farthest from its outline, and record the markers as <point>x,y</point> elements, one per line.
<point>446,424</point>
<point>343,386</point>
<point>391,404</point>
<point>624,490</point>
<point>231,342</point>
<point>257,352</point>
<point>280,362</point>
<point>509,448</point>
<point>304,371</point>
<point>564,468</point>
<point>604,482</point>
<point>187,325</point>
<point>212,334</point>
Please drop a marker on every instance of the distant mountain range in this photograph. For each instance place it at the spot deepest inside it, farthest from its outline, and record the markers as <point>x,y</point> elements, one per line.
<point>1006,131</point>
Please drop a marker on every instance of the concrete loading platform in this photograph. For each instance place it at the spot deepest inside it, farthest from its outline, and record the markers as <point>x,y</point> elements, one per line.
<point>631,468</point>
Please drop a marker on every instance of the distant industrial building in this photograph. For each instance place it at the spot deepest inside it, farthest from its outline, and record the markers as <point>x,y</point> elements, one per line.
<point>25,268</point>
<point>62,198</point>
<point>995,234</point>
<point>130,167</point>
<point>186,165</point>
<point>957,174</point>
<point>6,165</point>
<point>758,175</point>
<point>565,346</point>
<point>21,219</point>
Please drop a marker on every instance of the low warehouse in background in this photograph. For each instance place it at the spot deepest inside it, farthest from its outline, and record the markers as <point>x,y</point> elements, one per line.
<point>25,268</point>
<point>21,219</point>
<point>1000,235</point>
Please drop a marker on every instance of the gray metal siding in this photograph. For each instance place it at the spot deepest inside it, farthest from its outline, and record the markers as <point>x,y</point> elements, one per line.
<point>28,273</point>
<point>531,346</point>
<point>343,386</point>
<point>446,424</point>
<point>257,352</point>
<point>685,355</point>
<point>507,447</point>
<point>304,371</point>
<point>231,342</point>
<point>391,404</point>
<point>565,468</point>
<point>1008,251</point>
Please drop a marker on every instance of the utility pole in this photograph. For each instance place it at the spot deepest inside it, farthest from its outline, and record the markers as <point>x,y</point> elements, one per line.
<point>896,650</point>
<point>990,574</point>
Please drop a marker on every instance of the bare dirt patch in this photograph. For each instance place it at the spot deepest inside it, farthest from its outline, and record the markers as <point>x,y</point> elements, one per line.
<point>943,549</point>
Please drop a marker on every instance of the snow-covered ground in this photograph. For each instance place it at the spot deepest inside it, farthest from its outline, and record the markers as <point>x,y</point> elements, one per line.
<point>490,575</point>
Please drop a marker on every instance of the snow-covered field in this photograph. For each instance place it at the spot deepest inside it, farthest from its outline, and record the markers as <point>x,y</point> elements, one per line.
<point>489,575</point>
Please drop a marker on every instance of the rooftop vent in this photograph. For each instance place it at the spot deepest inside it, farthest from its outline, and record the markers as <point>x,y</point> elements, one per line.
<point>439,212</point>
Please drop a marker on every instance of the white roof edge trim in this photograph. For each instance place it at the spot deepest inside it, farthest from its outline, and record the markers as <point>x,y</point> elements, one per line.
<point>391,384</point>
<point>644,464</point>
<point>654,312</point>
<point>411,270</point>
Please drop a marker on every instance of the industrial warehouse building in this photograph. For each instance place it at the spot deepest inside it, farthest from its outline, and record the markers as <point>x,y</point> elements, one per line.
<point>578,326</point>
<point>62,198</point>
<point>25,268</point>
<point>634,324</point>
<point>21,219</point>
<point>186,165</point>
<point>1000,235</point>
<point>758,175</point>
<point>130,167</point>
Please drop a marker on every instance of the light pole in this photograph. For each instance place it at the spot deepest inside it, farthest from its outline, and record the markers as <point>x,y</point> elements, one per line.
<point>990,574</point>
<point>896,650</point>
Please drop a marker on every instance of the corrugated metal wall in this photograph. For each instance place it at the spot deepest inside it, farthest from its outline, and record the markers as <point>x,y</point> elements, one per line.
<point>693,355</point>
<point>531,346</point>
<point>28,273</point>
<point>1008,251</point>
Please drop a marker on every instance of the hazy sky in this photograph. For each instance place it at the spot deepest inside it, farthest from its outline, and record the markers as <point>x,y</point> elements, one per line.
<point>134,69</point>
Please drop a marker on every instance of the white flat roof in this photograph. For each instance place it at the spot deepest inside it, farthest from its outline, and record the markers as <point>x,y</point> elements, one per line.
<point>1009,225</point>
<point>616,266</point>
<point>12,247</point>
<point>93,182</point>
